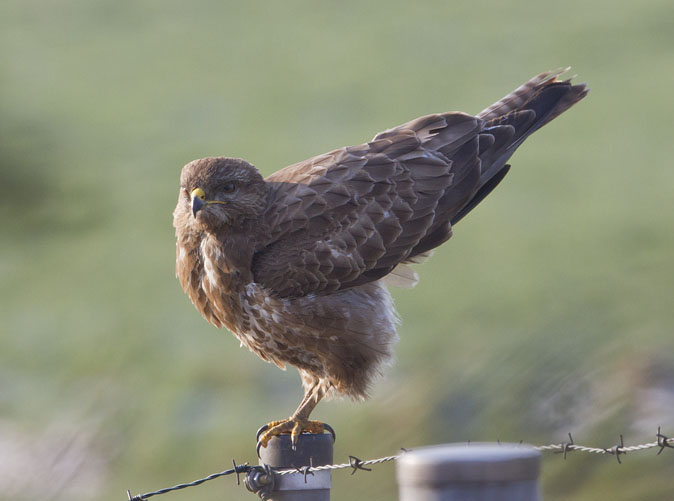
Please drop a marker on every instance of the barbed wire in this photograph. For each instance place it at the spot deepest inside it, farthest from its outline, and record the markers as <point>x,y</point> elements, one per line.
<point>662,442</point>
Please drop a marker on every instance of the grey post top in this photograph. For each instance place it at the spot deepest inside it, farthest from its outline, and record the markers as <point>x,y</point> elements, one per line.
<point>475,462</point>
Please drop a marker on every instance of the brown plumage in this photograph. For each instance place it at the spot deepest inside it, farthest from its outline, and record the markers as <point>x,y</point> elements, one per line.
<point>293,265</point>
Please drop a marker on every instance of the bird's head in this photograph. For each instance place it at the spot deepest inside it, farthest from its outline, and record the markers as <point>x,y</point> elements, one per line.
<point>216,193</point>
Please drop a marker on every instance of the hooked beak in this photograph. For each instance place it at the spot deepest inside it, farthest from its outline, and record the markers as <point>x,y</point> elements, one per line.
<point>197,204</point>
<point>199,201</point>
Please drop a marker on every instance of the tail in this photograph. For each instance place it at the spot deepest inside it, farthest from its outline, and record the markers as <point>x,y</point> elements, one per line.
<point>508,122</point>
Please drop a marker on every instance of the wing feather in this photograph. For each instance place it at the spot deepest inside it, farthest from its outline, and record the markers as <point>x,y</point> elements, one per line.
<point>358,213</point>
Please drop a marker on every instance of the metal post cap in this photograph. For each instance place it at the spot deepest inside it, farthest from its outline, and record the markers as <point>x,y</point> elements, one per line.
<point>475,462</point>
<point>312,449</point>
<point>306,485</point>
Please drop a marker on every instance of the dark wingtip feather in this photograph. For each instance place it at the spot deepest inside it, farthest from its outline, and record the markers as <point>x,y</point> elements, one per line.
<point>484,190</point>
<point>514,118</point>
<point>517,98</point>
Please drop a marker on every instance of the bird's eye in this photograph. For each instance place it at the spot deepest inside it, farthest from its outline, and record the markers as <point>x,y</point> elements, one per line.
<point>228,188</point>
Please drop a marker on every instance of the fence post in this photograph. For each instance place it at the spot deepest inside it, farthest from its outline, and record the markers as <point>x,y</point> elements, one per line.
<point>312,450</point>
<point>477,471</point>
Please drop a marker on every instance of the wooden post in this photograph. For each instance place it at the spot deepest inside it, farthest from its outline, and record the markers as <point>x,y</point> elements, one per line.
<point>312,450</point>
<point>477,471</point>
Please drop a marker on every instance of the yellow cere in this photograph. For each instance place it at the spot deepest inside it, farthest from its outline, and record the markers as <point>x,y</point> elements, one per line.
<point>198,193</point>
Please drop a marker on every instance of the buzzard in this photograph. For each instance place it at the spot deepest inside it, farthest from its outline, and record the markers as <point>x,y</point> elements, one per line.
<point>295,265</point>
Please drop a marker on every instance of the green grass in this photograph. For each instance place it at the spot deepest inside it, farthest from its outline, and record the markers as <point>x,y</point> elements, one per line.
<point>549,311</point>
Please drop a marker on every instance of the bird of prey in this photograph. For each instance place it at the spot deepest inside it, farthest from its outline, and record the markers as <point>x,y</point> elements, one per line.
<point>295,265</point>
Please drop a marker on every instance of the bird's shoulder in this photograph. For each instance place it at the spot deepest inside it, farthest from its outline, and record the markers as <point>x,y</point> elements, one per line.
<point>350,216</point>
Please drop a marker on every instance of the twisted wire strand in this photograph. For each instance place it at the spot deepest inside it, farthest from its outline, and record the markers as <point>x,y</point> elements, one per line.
<point>356,464</point>
<point>595,450</point>
<point>340,466</point>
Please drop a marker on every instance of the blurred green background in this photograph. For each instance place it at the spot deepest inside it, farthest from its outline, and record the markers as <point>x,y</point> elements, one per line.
<point>549,311</point>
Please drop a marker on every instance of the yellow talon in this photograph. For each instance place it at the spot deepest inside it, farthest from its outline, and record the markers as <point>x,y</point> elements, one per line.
<point>295,427</point>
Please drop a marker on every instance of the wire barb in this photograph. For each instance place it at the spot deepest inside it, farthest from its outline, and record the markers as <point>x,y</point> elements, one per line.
<point>566,446</point>
<point>305,470</point>
<point>133,498</point>
<point>663,441</point>
<point>239,469</point>
<point>618,450</point>
<point>357,464</point>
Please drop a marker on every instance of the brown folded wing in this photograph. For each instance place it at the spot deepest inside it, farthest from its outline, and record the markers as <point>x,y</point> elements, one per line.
<point>350,216</point>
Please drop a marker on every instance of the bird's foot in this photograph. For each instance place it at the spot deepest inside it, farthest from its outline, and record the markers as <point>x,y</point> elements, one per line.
<point>294,426</point>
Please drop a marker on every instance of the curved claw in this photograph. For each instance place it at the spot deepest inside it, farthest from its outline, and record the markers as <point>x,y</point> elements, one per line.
<point>294,428</point>
<point>330,430</point>
<point>260,431</point>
